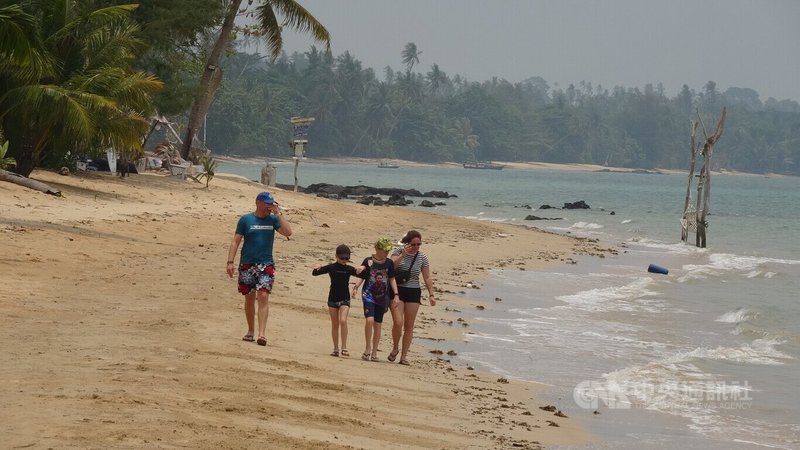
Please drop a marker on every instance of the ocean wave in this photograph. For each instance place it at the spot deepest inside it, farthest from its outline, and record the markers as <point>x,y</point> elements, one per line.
<point>483,217</point>
<point>630,297</point>
<point>670,247</point>
<point>585,226</point>
<point>738,315</point>
<point>676,385</point>
<point>489,337</point>
<point>724,262</point>
<point>760,351</point>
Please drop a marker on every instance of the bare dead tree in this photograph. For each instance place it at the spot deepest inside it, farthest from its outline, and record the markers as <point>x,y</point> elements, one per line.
<point>704,186</point>
<point>693,159</point>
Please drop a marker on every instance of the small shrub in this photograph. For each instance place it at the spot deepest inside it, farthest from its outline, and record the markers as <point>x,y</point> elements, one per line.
<point>209,168</point>
<point>6,162</point>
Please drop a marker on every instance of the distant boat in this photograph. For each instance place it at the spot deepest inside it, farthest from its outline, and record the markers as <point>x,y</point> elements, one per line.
<point>483,165</point>
<point>386,165</point>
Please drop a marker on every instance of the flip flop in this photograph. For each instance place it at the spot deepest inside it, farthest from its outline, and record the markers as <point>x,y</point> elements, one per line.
<point>335,353</point>
<point>374,358</point>
<point>345,352</point>
<point>404,362</point>
<point>365,356</point>
<point>393,355</point>
<point>262,341</point>
<point>248,338</point>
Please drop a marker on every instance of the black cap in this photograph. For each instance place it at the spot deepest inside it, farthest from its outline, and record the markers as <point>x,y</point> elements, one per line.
<point>343,251</point>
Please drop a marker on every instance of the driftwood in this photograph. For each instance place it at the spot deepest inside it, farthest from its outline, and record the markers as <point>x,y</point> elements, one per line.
<point>704,183</point>
<point>12,177</point>
<point>693,150</point>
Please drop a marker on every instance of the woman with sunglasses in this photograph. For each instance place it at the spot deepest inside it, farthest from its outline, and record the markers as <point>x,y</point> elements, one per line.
<point>409,264</point>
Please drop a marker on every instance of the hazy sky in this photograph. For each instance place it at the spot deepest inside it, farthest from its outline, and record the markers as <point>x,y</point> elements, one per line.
<point>742,43</point>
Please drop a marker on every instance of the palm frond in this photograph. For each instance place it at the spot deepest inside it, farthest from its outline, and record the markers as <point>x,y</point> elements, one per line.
<point>16,30</point>
<point>295,17</point>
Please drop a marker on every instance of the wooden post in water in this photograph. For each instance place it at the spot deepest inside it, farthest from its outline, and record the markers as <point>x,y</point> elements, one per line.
<point>704,181</point>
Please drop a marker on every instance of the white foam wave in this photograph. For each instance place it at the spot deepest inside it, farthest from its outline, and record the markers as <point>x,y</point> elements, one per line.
<point>675,385</point>
<point>630,297</point>
<point>586,226</point>
<point>673,247</point>
<point>482,217</point>
<point>738,315</point>
<point>760,351</point>
<point>626,221</point>
<point>724,262</point>
<point>489,337</point>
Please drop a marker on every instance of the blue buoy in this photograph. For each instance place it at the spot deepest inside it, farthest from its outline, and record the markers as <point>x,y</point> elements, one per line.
<point>652,268</point>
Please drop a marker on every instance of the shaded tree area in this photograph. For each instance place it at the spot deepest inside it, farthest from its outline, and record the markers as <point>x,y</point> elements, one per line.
<point>68,81</point>
<point>434,117</point>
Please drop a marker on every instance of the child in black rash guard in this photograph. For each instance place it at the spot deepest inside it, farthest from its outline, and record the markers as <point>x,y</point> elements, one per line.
<point>339,295</point>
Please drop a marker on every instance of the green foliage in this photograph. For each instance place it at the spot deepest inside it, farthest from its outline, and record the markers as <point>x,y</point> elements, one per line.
<point>209,168</point>
<point>435,117</point>
<point>76,88</point>
<point>6,162</point>
<point>174,37</point>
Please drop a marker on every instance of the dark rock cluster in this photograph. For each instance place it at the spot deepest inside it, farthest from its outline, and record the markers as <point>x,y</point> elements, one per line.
<point>361,190</point>
<point>369,195</point>
<point>580,204</point>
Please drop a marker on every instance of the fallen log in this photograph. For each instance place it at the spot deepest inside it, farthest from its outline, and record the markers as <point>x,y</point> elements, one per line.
<point>15,178</point>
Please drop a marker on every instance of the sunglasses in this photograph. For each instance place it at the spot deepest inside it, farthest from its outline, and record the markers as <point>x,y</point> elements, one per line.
<point>414,245</point>
<point>344,257</point>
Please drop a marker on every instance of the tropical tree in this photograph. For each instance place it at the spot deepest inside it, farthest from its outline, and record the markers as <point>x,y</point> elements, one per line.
<point>467,141</point>
<point>74,89</point>
<point>267,27</point>
<point>410,56</point>
<point>437,81</point>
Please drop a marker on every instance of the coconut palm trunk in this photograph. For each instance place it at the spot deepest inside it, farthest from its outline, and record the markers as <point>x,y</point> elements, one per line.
<point>269,28</point>
<point>212,76</point>
<point>27,182</point>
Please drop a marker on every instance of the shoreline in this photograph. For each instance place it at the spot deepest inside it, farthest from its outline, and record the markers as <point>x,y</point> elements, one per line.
<point>574,167</point>
<point>141,319</point>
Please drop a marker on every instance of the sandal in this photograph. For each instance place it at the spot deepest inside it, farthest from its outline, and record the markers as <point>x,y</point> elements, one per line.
<point>393,355</point>
<point>335,353</point>
<point>262,341</point>
<point>248,337</point>
<point>345,352</point>
<point>374,358</point>
<point>404,362</point>
<point>365,356</point>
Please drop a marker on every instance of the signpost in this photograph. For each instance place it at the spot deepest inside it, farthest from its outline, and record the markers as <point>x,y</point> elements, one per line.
<point>298,142</point>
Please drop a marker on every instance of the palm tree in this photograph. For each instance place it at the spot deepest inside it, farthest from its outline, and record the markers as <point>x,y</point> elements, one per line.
<point>437,80</point>
<point>75,87</point>
<point>269,28</point>
<point>462,131</point>
<point>410,55</point>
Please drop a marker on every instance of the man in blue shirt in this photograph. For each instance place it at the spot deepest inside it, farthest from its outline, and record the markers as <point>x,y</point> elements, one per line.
<point>256,266</point>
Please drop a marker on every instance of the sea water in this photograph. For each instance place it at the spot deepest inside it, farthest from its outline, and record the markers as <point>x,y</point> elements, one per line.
<point>706,357</point>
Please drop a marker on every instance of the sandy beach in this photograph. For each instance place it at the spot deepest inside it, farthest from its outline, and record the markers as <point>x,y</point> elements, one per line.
<point>120,328</point>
